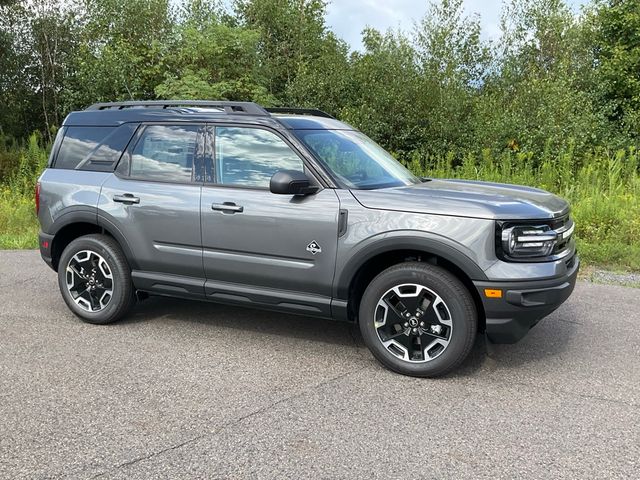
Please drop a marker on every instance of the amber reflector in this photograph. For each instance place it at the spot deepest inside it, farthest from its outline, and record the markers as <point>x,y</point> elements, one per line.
<point>491,293</point>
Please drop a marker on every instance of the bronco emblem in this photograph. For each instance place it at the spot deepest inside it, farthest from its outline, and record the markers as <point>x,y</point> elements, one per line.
<point>314,248</point>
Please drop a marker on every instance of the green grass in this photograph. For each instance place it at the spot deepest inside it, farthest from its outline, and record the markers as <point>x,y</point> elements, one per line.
<point>603,189</point>
<point>18,222</point>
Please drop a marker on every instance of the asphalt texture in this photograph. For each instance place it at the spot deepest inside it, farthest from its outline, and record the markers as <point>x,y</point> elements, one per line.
<point>196,390</point>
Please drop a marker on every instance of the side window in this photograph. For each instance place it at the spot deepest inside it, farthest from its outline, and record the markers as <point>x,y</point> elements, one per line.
<point>249,157</point>
<point>165,153</point>
<point>108,152</point>
<point>78,143</point>
<point>56,146</point>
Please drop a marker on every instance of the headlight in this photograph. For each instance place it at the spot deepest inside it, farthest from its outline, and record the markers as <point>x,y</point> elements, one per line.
<point>528,241</point>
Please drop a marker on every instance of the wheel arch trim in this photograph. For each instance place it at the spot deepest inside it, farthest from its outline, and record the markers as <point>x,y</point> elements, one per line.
<point>75,214</point>
<point>426,244</point>
<point>89,215</point>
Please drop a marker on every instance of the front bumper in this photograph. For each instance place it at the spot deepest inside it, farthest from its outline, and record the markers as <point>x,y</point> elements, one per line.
<point>524,304</point>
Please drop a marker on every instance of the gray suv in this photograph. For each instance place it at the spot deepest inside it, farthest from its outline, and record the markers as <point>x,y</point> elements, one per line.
<point>295,211</point>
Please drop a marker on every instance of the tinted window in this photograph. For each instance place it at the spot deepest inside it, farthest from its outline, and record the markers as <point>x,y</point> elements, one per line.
<point>165,152</point>
<point>56,145</point>
<point>78,143</point>
<point>108,152</point>
<point>250,156</point>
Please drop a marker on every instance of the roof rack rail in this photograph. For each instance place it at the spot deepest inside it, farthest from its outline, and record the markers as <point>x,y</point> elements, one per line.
<point>300,111</point>
<point>248,108</point>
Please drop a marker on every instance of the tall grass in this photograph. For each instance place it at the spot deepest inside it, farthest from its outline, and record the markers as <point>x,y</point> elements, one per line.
<point>18,221</point>
<point>603,188</point>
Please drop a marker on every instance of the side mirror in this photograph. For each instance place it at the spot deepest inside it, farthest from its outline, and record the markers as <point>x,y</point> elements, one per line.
<point>291,182</point>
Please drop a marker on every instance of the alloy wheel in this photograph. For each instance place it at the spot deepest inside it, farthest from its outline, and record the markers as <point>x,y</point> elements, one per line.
<point>89,281</point>
<point>413,323</point>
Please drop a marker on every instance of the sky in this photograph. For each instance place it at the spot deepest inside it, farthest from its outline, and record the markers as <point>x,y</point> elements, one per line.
<point>347,18</point>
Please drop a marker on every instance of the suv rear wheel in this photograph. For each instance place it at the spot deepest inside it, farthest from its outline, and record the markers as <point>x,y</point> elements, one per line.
<point>95,279</point>
<point>418,319</point>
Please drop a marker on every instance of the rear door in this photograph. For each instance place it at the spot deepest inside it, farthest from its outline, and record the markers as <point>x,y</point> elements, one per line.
<point>153,200</point>
<point>261,247</point>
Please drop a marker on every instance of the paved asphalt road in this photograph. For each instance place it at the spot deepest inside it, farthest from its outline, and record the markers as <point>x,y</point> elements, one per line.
<point>200,390</point>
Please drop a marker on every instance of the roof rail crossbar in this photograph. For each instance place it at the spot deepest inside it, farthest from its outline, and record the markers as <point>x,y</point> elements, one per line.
<point>300,111</point>
<point>249,108</point>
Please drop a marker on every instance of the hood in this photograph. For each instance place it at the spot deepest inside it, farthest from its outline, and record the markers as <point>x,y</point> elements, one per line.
<point>462,198</point>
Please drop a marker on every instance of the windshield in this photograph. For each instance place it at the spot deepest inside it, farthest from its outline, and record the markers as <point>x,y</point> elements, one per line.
<point>355,159</point>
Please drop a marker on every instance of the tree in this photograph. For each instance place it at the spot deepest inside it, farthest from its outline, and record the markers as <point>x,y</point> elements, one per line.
<point>291,35</point>
<point>537,95</point>
<point>122,51</point>
<point>211,59</point>
<point>453,65</point>
<point>617,52</point>
<point>386,91</point>
<point>324,82</point>
<point>38,37</point>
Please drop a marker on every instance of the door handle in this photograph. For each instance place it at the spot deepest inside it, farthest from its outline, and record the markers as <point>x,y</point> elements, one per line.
<point>228,207</point>
<point>126,198</point>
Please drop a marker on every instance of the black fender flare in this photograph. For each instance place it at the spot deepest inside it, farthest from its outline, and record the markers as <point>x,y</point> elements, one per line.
<point>74,214</point>
<point>428,244</point>
<point>84,214</point>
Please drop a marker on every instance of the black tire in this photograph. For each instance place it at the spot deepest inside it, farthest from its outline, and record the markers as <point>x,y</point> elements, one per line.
<point>122,297</point>
<point>436,282</point>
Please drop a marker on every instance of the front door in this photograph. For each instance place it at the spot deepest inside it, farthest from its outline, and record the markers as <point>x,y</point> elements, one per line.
<point>260,247</point>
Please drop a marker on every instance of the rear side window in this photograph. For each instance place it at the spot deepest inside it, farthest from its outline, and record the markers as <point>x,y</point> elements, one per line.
<point>165,153</point>
<point>104,157</point>
<point>78,143</point>
<point>56,146</point>
<point>93,148</point>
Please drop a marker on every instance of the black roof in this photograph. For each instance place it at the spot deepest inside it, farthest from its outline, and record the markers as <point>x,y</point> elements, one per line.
<point>117,113</point>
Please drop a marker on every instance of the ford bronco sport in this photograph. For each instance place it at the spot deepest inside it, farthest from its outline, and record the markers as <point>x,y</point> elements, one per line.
<point>295,211</point>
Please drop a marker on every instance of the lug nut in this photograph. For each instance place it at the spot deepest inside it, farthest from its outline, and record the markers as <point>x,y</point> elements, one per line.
<point>418,314</point>
<point>407,314</point>
<point>415,330</point>
<point>422,324</point>
<point>406,324</point>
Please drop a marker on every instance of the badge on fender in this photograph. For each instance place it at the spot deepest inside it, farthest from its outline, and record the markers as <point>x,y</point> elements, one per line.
<point>314,248</point>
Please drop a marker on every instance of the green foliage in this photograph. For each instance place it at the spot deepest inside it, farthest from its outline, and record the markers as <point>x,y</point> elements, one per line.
<point>552,76</point>
<point>18,222</point>
<point>387,114</point>
<point>554,102</point>
<point>292,33</point>
<point>212,59</point>
<point>121,51</point>
<point>617,51</point>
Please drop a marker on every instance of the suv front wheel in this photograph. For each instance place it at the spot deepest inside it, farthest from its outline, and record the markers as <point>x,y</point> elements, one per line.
<point>95,279</point>
<point>418,319</point>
